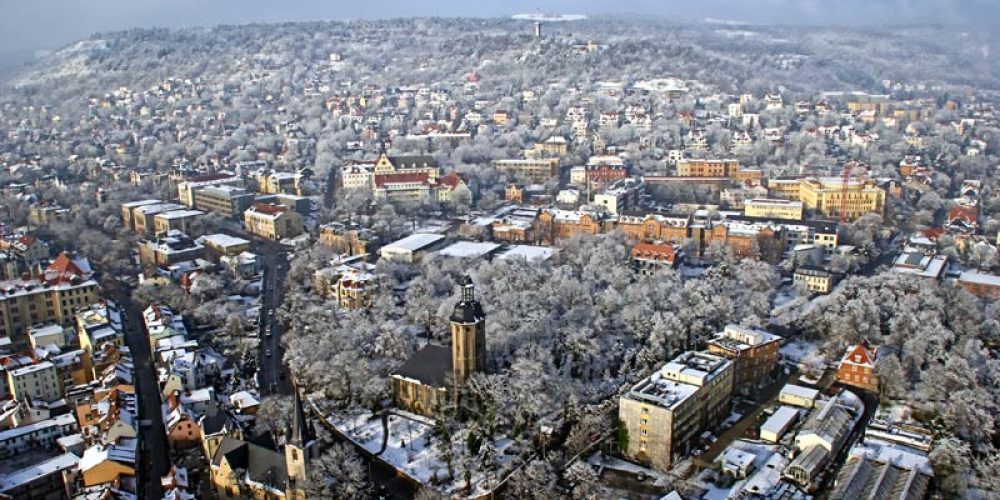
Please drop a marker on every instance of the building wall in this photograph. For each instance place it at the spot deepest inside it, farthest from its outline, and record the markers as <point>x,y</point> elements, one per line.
<point>416,397</point>
<point>43,305</point>
<point>773,210</point>
<point>650,432</point>
<point>706,168</point>
<point>539,170</point>
<point>862,377</point>
<point>827,199</point>
<point>44,384</point>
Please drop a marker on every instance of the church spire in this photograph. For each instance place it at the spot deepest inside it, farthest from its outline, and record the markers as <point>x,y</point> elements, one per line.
<point>302,432</point>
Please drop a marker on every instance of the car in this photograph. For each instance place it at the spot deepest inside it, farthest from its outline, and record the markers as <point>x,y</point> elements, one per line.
<point>267,333</point>
<point>267,353</point>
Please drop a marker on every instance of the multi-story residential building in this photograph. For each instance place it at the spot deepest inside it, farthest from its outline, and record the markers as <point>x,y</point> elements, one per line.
<point>664,413</point>
<point>539,170</point>
<point>598,175</point>
<point>53,296</point>
<point>169,249</point>
<point>22,254</point>
<point>413,187</point>
<point>98,324</point>
<point>344,240</point>
<point>269,182</point>
<point>622,196</point>
<point>814,278</point>
<point>49,478</point>
<point>754,354</point>
<point>857,368</point>
<point>412,164</point>
<point>650,257</point>
<point>35,381</point>
<point>228,200</point>
<point>274,222</point>
<point>356,176</point>
<point>826,196</point>
<point>36,435</point>
<point>186,189</point>
<point>707,168</point>
<point>773,209</point>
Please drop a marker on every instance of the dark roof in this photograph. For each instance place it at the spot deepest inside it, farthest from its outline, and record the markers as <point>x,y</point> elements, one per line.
<point>215,420</point>
<point>429,365</point>
<point>412,161</point>
<point>263,465</point>
<point>467,311</point>
<point>302,431</point>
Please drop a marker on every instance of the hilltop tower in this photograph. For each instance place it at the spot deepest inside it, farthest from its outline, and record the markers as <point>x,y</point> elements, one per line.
<point>468,334</point>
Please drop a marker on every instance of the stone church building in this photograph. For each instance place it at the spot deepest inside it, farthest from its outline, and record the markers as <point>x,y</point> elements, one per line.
<point>421,385</point>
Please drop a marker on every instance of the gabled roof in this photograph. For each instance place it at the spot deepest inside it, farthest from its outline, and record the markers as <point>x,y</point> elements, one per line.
<point>429,365</point>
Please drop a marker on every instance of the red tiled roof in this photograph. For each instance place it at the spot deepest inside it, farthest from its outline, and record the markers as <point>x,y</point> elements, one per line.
<point>934,232</point>
<point>451,180</point>
<point>63,268</point>
<point>656,251</point>
<point>968,214</point>
<point>269,209</point>
<point>383,179</point>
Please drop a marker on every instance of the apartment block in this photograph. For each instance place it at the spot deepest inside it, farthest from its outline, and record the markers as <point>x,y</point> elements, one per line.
<point>665,413</point>
<point>773,209</point>
<point>754,354</point>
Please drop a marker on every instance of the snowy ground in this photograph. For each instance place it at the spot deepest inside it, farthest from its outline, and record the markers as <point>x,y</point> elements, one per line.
<point>600,461</point>
<point>796,351</point>
<point>415,450</point>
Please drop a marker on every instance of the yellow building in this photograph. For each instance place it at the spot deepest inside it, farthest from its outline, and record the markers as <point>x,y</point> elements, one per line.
<point>707,168</point>
<point>773,209</point>
<point>784,188</point>
<point>412,164</point>
<point>51,297</point>
<point>814,279</point>
<point>37,381</point>
<point>539,170</point>
<point>274,222</point>
<point>662,416</point>
<point>826,196</point>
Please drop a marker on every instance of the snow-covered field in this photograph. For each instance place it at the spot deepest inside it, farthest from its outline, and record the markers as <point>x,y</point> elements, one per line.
<point>414,449</point>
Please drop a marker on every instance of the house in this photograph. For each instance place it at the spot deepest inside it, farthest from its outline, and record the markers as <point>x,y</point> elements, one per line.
<point>814,278</point>
<point>648,258</point>
<point>858,368</point>
<point>920,265</point>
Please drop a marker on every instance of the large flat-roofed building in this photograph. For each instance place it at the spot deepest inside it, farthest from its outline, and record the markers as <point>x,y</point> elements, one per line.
<point>773,209</point>
<point>175,220</point>
<point>143,217</point>
<point>230,201</point>
<point>224,245</point>
<point>129,208</point>
<point>754,354</point>
<point>274,222</point>
<point>412,248</point>
<point>664,413</point>
<point>539,170</point>
<point>186,189</point>
<point>827,196</point>
<point>169,249</point>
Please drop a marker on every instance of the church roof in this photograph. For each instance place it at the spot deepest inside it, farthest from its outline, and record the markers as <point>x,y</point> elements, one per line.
<point>429,366</point>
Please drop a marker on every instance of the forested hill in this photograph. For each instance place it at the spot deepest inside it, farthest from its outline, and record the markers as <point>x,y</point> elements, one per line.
<point>427,51</point>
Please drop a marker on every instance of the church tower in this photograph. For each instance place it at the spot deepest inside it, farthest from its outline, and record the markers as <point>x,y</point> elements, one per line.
<point>468,334</point>
<point>300,449</point>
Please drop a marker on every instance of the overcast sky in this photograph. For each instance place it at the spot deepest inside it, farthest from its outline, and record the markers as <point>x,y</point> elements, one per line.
<point>32,24</point>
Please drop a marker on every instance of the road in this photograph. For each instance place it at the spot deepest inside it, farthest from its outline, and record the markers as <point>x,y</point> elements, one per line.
<point>154,456</point>
<point>272,375</point>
